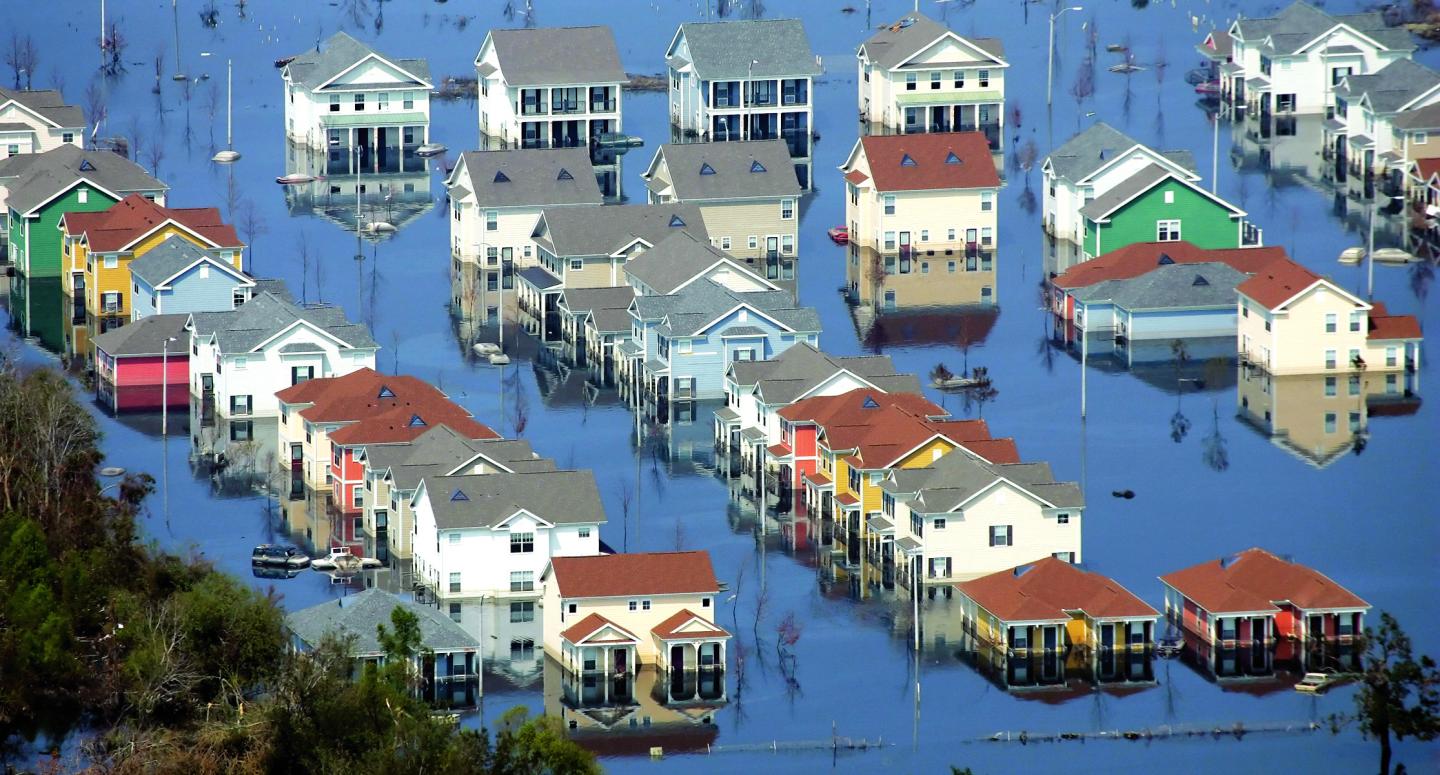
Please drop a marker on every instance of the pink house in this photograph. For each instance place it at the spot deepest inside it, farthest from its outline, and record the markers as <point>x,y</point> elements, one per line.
<point>144,365</point>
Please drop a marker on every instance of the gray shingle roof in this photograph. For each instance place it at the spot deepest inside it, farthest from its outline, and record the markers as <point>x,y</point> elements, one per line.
<point>244,328</point>
<point>161,262</point>
<point>699,304</point>
<point>360,616</point>
<point>558,56</point>
<point>955,478</point>
<point>1300,23</point>
<point>49,104</point>
<point>801,368</point>
<point>339,53</point>
<point>900,41</point>
<point>558,497</point>
<point>539,276</point>
<point>723,51</point>
<point>677,259</point>
<point>1170,286</point>
<point>532,178</point>
<point>735,174</point>
<point>1129,188</point>
<point>145,336</point>
<point>33,178</point>
<point>1393,85</point>
<point>441,450</point>
<point>600,231</point>
<point>1097,146</point>
<point>1427,117</point>
<point>608,308</point>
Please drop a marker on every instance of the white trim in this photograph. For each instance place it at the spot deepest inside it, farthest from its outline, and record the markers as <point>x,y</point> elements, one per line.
<point>373,55</point>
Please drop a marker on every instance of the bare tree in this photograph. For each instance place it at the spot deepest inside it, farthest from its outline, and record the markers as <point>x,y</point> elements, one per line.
<point>114,48</point>
<point>1028,154</point>
<point>138,138</point>
<point>95,105</point>
<point>625,492</point>
<point>159,67</point>
<point>22,57</point>
<point>1084,86</point>
<point>57,79</point>
<point>252,224</point>
<point>154,155</point>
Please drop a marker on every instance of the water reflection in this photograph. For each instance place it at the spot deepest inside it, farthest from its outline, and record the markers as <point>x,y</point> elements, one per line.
<point>921,297</point>
<point>388,198</point>
<point>1318,417</point>
<point>628,715</point>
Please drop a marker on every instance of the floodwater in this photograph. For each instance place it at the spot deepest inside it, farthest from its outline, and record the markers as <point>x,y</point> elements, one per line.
<point>1210,475</point>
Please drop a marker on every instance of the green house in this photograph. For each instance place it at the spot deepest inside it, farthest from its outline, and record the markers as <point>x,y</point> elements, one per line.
<point>1156,205</point>
<point>39,188</point>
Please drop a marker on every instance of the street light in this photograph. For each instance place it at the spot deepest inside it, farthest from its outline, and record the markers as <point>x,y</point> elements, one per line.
<point>1370,242</point>
<point>165,386</point>
<point>746,100</point>
<point>1050,68</point>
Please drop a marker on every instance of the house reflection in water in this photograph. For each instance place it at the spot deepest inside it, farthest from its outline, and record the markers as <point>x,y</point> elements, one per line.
<point>237,455</point>
<point>1319,417</point>
<point>921,297</point>
<point>627,715</point>
<point>388,201</point>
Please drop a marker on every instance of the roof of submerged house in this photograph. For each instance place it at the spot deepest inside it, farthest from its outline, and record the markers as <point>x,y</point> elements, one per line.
<point>953,480</point>
<point>49,104</point>
<point>558,56</point>
<point>359,616</point>
<point>735,170</point>
<point>268,313</point>
<point>146,336</point>
<point>1049,590</point>
<point>1254,581</point>
<point>895,43</point>
<point>803,367</point>
<point>681,257</point>
<point>339,53</point>
<point>930,161</point>
<point>601,231</point>
<point>1083,154</point>
<point>749,48</point>
<point>1139,258</point>
<point>695,308</point>
<point>35,178</point>
<point>487,500</point>
<point>529,177</point>
<point>1173,286</point>
<point>1300,23</point>
<point>640,573</point>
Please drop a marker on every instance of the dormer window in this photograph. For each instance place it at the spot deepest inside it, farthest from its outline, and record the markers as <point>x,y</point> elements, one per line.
<point>706,169</point>
<point>676,221</point>
<point>416,421</point>
<point>951,158</point>
<point>500,177</point>
<point>458,495</point>
<point>906,161</point>
<point>564,175</point>
<point>756,166</point>
<point>385,392</point>
<point>1200,280</point>
<point>1165,259</point>
<point>86,166</point>
<point>870,403</point>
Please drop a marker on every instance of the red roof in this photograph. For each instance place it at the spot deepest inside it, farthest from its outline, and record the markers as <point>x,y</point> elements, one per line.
<point>856,176</point>
<point>1428,168</point>
<point>1277,283</point>
<point>1383,325</point>
<point>883,427</point>
<point>590,625</point>
<point>933,167</point>
<point>779,450</point>
<point>1255,580</point>
<point>382,408</point>
<point>648,573</point>
<point>819,479</point>
<point>1046,590</point>
<point>850,407</point>
<point>846,499</point>
<point>134,216</point>
<point>408,421</point>
<point>1141,257</point>
<point>670,628</point>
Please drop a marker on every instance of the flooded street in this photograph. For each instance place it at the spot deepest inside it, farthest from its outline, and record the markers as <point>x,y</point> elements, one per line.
<point>1218,462</point>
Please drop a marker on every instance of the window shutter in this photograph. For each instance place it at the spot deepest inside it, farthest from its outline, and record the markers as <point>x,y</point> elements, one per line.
<point>1010,535</point>
<point>992,536</point>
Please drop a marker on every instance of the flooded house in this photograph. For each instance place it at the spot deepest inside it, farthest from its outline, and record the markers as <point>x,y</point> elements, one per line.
<point>1368,111</point>
<point>631,714</point>
<point>145,365</point>
<point>493,534</point>
<point>915,75</point>
<point>36,121</point>
<point>747,79</point>
<point>367,112</point>
<point>922,198</point>
<point>610,614</point>
<point>746,191</point>
<point>178,277</point>
<point>1318,418</point>
<point>1410,135</point>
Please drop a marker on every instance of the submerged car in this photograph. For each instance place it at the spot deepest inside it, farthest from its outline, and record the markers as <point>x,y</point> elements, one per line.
<point>273,556</point>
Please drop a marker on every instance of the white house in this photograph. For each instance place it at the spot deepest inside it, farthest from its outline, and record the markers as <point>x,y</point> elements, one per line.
<point>38,121</point>
<point>1370,111</point>
<point>358,105</point>
<point>241,357</point>
<point>963,517</point>
<point>744,80</point>
<point>1092,163</point>
<point>1291,62</point>
<point>495,533</point>
<point>917,76</point>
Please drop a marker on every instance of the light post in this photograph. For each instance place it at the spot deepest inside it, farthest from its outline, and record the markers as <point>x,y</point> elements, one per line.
<point>1050,68</point>
<point>745,99</point>
<point>1370,243</point>
<point>165,386</point>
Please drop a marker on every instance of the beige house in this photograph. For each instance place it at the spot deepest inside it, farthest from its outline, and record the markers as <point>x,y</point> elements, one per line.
<point>917,76</point>
<point>1320,417</point>
<point>37,121</point>
<point>747,192</point>
<point>927,195</point>
<point>611,613</point>
<point>1293,321</point>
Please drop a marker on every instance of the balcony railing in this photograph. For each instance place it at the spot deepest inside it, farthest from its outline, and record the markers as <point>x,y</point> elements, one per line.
<point>606,106</point>
<point>533,109</point>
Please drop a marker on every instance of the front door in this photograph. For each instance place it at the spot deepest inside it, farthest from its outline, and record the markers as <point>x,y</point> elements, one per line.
<point>1051,638</point>
<point>677,657</point>
<point>619,656</point>
<point>1316,627</point>
<point>1107,635</point>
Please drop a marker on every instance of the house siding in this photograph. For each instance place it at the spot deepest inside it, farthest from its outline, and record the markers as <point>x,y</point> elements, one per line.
<point>36,249</point>
<point>1203,222</point>
<point>188,293</point>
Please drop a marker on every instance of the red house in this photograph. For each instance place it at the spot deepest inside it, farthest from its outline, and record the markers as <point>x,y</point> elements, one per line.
<point>1256,597</point>
<point>144,365</point>
<point>802,421</point>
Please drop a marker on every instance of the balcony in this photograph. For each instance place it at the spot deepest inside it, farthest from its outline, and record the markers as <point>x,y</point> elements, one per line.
<point>1251,235</point>
<point>604,106</point>
<point>533,109</point>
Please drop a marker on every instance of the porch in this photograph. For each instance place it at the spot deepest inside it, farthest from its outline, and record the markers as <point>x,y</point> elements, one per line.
<point>596,645</point>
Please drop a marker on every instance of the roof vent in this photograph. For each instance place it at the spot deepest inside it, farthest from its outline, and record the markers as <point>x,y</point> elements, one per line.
<point>1165,260</point>
<point>500,177</point>
<point>458,495</point>
<point>564,175</point>
<point>870,403</point>
<point>86,166</point>
<point>1105,153</point>
<point>906,161</point>
<point>676,221</point>
<point>1200,280</point>
<point>416,421</point>
<point>756,166</point>
<point>385,392</point>
<point>951,158</point>
<point>706,169</point>
<point>1021,570</point>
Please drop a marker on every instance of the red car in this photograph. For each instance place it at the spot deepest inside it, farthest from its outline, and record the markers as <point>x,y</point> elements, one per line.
<point>840,234</point>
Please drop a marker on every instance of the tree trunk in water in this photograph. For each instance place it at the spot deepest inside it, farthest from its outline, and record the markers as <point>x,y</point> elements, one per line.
<point>1385,752</point>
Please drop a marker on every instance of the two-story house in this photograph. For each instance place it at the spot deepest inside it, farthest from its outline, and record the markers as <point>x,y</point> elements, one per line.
<point>1294,321</point>
<point>494,534</point>
<point>552,87</point>
<point>366,111</point>
<point>684,341</point>
<point>611,614</point>
<point>36,122</point>
<point>1088,166</point>
<point>963,517</point>
<point>239,359</point>
<point>178,277</point>
<point>915,75</point>
<point>589,247</point>
<point>1157,204</point>
<point>744,80</point>
<point>909,197</point>
<point>746,191</point>
<point>40,189</point>
<point>1410,138</point>
<point>495,202</point>
<point>1291,62</point>
<point>1368,110</point>
<point>99,247</point>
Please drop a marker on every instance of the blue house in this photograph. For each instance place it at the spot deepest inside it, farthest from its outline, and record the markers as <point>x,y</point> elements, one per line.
<point>176,277</point>
<point>682,343</point>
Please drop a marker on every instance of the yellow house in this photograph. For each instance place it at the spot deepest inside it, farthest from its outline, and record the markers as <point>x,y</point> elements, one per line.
<point>1319,418</point>
<point>98,248</point>
<point>1293,321</point>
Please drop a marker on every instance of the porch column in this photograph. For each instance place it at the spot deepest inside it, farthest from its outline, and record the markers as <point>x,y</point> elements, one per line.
<point>352,160</point>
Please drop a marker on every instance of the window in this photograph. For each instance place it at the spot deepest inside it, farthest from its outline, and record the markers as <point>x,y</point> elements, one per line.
<point>523,611</point>
<point>889,200</point>
<point>704,602</point>
<point>334,103</point>
<point>522,581</point>
<point>1354,422</point>
<point>984,78</point>
<point>724,243</point>
<point>950,267</point>
<point>1330,322</point>
<point>1167,231</point>
<point>1355,360</point>
<point>455,612</point>
<point>357,496</point>
<point>935,80</point>
<point>987,235</point>
<point>645,605</point>
<point>408,102</point>
<point>69,137</point>
<point>753,242</point>
<point>584,532</point>
<point>787,209</point>
<point>1066,556</point>
<point>1329,359</point>
<point>454,537</point>
<point>359,102</point>
<point>1392,356</point>
<point>787,244</point>
<point>382,101</point>
<point>1355,318</point>
<point>1001,535</point>
<point>576,264</point>
<point>242,430</point>
<point>112,261</point>
<point>1329,386</point>
<point>959,79</point>
<point>1354,385</point>
<point>300,374</point>
<point>455,581</point>
<point>1062,519</point>
<point>909,82</point>
<point>938,523</point>
<point>111,301</point>
<point>987,201</point>
<point>238,297</point>
<point>634,605</point>
<point>1329,422</point>
<point>522,543</point>
<point>239,405</point>
<point>492,220</point>
<point>889,240</point>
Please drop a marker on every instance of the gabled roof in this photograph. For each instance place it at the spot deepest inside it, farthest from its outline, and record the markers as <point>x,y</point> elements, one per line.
<point>359,616</point>
<point>607,308</point>
<point>49,104</point>
<point>146,336</point>
<point>950,482</point>
<point>697,306</point>
<point>487,500</point>
<point>603,231</point>
<point>803,367</point>
<point>1049,590</point>
<point>1384,326</point>
<point>174,255</point>
<point>380,408</point>
<point>1084,154</point>
<point>339,53</point>
<point>408,420</point>
<point>688,625</point>
<point>1137,185</point>
<point>557,56</point>
<point>732,170</point>
<point>1300,24</point>
<point>441,451</point>
<point>33,179</point>
<point>1172,286</point>
<point>680,258</point>
<point>641,573</point>
<point>1427,117</point>
<point>1254,581</point>
<point>1392,87</point>
<point>532,177</point>
<point>748,48</point>
<point>856,405</point>
<point>268,314</point>
<point>123,223</point>
<point>930,161</point>
<point>593,624</point>
<point>1138,258</point>
<point>1280,281</point>
<point>913,33</point>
